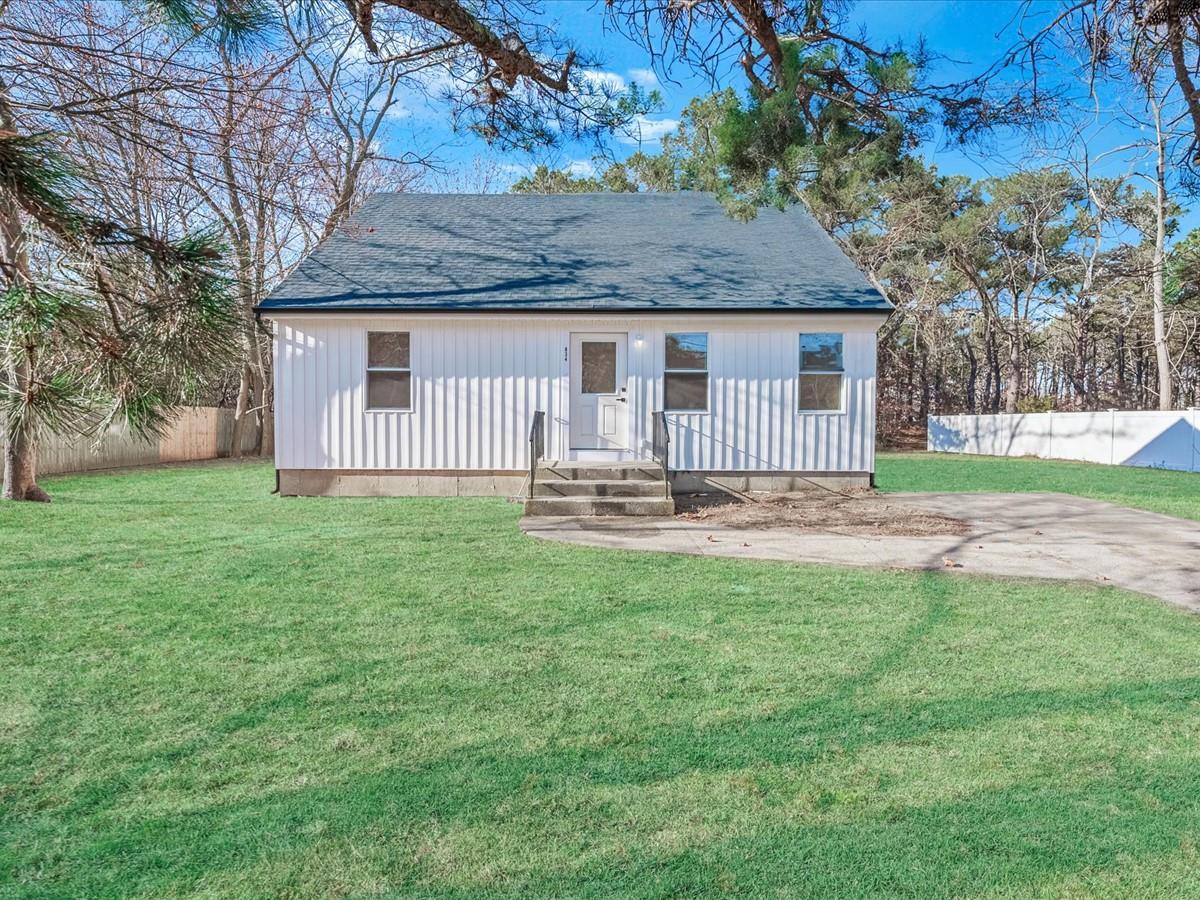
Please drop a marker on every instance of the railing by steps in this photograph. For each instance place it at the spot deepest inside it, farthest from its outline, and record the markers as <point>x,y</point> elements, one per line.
<point>537,445</point>
<point>660,448</point>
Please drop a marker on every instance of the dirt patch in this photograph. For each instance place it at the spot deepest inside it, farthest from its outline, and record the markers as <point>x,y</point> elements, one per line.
<point>850,512</point>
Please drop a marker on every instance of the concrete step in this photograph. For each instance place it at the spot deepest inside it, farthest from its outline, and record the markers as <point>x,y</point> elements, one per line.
<point>573,487</point>
<point>599,506</point>
<point>586,471</point>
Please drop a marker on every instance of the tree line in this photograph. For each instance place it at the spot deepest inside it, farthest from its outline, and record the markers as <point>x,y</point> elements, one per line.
<point>1051,287</point>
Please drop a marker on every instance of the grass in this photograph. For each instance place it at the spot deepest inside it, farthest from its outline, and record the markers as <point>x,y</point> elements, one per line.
<point>1157,490</point>
<point>207,690</point>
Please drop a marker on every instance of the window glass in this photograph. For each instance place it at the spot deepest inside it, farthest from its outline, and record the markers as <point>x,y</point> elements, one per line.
<point>686,391</point>
<point>389,375</point>
<point>687,351</point>
<point>820,352</point>
<point>387,349</point>
<point>599,362</point>
<point>685,379</point>
<point>389,390</point>
<point>821,393</point>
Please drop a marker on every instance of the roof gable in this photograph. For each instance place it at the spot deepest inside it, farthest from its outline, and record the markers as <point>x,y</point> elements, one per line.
<point>575,253</point>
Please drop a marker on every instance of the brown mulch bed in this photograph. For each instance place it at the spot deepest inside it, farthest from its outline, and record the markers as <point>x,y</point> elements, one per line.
<point>846,512</point>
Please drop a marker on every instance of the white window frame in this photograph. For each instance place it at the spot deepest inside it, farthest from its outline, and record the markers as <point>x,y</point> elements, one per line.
<point>801,372</point>
<point>667,370</point>
<point>412,391</point>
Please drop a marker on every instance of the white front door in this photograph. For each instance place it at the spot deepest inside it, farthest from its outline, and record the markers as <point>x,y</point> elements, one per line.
<point>599,407</point>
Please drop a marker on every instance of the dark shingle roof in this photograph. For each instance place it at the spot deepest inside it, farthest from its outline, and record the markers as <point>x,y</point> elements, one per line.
<point>573,252</point>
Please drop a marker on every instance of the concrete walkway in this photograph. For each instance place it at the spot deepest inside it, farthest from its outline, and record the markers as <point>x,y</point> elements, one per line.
<point>1029,535</point>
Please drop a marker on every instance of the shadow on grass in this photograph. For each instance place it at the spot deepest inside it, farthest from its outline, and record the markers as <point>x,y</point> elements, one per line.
<point>1014,837</point>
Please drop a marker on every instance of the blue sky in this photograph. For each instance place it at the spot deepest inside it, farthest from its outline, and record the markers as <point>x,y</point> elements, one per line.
<point>966,35</point>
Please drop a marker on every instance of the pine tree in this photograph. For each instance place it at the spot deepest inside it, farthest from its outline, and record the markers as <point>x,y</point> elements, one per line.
<point>111,324</point>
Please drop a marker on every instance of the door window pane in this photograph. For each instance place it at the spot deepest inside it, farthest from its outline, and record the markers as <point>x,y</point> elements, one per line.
<point>389,390</point>
<point>687,351</point>
<point>599,362</point>
<point>685,391</point>
<point>821,392</point>
<point>387,349</point>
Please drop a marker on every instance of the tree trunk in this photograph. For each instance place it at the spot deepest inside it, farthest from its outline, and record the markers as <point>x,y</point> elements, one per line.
<point>972,374</point>
<point>20,445</point>
<point>1078,368</point>
<point>994,381</point>
<point>1012,384</point>
<point>266,444</point>
<point>909,385</point>
<point>1122,389</point>
<point>264,395</point>
<point>987,382</point>
<point>1140,377</point>
<point>20,454</point>
<point>923,408</point>
<point>1161,352</point>
<point>241,412</point>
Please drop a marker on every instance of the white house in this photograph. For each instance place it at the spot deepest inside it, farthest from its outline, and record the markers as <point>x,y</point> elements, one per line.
<point>416,348</point>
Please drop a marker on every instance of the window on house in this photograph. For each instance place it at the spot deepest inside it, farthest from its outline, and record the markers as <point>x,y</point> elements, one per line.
<point>821,373</point>
<point>685,379</point>
<point>389,375</point>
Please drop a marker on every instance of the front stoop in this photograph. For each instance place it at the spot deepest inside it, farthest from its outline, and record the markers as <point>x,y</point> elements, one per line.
<point>592,489</point>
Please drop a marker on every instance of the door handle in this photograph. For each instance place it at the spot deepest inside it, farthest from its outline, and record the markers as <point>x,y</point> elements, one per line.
<point>621,400</point>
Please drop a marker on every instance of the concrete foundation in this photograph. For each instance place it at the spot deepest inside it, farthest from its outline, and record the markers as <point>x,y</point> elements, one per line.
<point>695,482</point>
<point>400,483</point>
<point>510,483</point>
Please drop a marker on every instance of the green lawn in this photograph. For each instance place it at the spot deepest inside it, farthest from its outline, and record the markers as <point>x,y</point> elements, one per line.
<point>208,690</point>
<point>1173,493</point>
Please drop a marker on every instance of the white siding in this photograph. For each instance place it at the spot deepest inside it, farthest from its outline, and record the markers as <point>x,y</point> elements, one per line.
<point>477,381</point>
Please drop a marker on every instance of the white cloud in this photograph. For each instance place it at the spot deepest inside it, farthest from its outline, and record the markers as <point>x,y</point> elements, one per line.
<point>607,81</point>
<point>645,78</point>
<point>515,170</point>
<point>581,168</point>
<point>646,130</point>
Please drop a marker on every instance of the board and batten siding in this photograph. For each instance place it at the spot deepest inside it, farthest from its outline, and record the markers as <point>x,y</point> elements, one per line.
<point>477,381</point>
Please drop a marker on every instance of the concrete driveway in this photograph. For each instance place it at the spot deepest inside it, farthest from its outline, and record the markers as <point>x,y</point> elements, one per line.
<point>1029,535</point>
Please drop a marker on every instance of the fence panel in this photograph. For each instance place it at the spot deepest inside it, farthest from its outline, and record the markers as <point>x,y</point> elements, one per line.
<point>202,432</point>
<point>1161,440</point>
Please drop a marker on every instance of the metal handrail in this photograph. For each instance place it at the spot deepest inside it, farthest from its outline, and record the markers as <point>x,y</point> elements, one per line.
<point>660,448</point>
<point>537,445</point>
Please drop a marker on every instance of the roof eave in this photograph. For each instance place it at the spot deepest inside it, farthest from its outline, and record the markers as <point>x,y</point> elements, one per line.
<point>568,310</point>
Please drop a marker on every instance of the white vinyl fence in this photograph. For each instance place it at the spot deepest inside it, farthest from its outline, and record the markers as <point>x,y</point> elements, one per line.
<point>1160,440</point>
<point>203,432</point>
